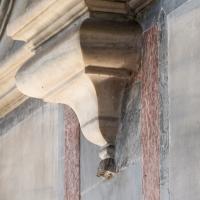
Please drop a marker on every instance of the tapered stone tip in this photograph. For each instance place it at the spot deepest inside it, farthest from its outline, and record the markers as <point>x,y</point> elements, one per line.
<point>107,168</point>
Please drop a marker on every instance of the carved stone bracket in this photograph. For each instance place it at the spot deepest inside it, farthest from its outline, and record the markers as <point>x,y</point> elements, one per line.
<point>80,60</point>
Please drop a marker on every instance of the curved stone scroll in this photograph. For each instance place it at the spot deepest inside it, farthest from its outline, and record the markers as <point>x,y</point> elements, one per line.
<point>87,66</point>
<point>89,72</point>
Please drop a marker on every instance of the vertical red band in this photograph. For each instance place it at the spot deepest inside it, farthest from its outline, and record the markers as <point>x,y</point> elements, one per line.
<point>72,155</point>
<point>150,130</point>
<point>150,116</point>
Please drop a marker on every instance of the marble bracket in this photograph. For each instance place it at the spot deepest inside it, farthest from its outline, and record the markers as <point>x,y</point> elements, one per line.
<point>82,61</point>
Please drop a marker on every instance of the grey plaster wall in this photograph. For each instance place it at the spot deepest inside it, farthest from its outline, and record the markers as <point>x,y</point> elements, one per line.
<point>184,92</point>
<point>126,185</point>
<point>31,153</point>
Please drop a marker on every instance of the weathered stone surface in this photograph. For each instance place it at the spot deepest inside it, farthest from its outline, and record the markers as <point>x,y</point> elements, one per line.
<point>19,114</point>
<point>31,153</point>
<point>164,107</point>
<point>128,142</point>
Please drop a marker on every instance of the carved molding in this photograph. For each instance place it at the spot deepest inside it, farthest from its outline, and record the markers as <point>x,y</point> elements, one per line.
<point>137,6</point>
<point>10,96</point>
<point>72,58</point>
<point>5,11</point>
<point>44,20</point>
<point>119,7</point>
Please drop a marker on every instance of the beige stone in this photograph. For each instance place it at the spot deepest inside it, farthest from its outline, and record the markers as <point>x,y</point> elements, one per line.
<point>86,66</point>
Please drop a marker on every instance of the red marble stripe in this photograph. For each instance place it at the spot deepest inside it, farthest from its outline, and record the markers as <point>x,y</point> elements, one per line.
<point>150,116</point>
<point>72,155</point>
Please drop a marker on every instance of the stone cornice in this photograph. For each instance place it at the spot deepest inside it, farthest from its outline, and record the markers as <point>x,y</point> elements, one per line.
<point>45,19</point>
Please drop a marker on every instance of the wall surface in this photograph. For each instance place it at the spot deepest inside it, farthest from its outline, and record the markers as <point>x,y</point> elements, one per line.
<point>184,82</point>
<point>126,185</point>
<point>31,153</point>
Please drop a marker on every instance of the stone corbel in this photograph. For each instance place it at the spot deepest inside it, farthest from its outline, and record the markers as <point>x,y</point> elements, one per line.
<point>86,66</point>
